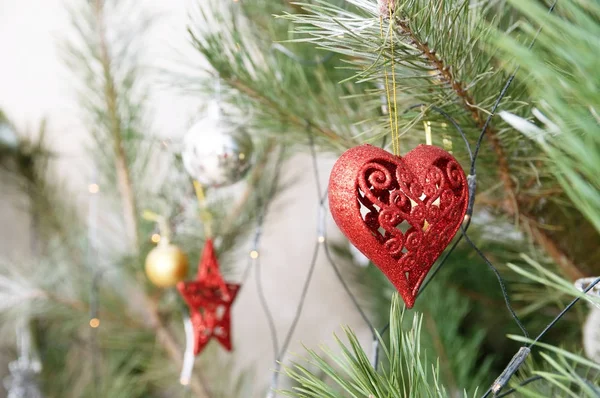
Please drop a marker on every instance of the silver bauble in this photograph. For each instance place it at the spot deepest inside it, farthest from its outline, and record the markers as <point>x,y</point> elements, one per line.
<point>217,154</point>
<point>591,327</point>
<point>22,382</point>
<point>8,137</point>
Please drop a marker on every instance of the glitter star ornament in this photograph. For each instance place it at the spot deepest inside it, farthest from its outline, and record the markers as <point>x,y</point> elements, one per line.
<point>400,212</point>
<point>210,299</point>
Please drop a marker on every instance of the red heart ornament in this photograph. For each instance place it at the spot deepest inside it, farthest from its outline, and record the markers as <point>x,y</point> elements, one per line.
<point>400,212</point>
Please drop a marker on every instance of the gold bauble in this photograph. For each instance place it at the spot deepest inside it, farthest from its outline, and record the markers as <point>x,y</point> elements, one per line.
<point>166,265</point>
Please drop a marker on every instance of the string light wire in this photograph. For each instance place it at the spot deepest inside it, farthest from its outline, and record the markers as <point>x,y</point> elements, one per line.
<point>95,275</point>
<point>323,234</point>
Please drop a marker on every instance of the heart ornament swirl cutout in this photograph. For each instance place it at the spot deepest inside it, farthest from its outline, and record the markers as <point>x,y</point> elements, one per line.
<point>400,212</point>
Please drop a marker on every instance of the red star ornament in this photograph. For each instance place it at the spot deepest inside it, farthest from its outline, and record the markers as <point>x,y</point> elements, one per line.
<point>209,299</point>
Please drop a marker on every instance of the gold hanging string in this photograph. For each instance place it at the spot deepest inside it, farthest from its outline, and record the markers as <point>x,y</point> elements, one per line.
<point>391,93</point>
<point>395,132</point>
<point>205,215</point>
<point>387,92</point>
<point>428,138</point>
<point>163,226</point>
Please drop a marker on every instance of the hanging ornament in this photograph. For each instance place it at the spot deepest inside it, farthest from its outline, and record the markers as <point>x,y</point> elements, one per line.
<point>400,212</point>
<point>591,327</point>
<point>166,265</point>
<point>22,382</point>
<point>209,299</point>
<point>591,334</point>
<point>215,153</point>
<point>8,137</point>
<point>24,371</point>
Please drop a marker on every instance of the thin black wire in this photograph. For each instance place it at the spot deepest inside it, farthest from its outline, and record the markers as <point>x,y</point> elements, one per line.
<point>502,94</point>
<point>265,306</point>
<point>439,266</point>
<point>447,116</point>
<point>347,289</point>
<point>263,205</point>
<point>549,326</point>
<point>297,315</point>
<point>307,281</point>
<point>522,384</point>
<point>563,312</point>
<point>323,233</point>
<point>496,104</point>
<point>475,155</point>
<point>500,282</point>
<point>280,352</point>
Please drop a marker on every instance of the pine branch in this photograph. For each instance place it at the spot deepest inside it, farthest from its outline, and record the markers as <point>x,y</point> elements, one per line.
<point>286,116</point>
<point>510,204</point>
<point>410,372</point>
<point>121,162</point>
<point>114,103</point>
<point>470,104</point>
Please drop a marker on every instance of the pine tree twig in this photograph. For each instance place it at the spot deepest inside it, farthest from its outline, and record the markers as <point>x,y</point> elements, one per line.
<point>485,200</point>
<point>510,205</point>
<point>551,247</point>
<point>288,116</point>
<point>296,7</point>
<point>469,103</point>
<point>121,165</point>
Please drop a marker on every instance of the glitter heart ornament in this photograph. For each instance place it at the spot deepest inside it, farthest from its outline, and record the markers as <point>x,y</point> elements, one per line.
<point>400,212</point>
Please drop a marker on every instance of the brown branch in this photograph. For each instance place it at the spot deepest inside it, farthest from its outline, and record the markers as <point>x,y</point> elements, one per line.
<point>468,103</point>
<point>152,318</point>
<point>551,247</point>
<point>121,166</point>
<point>510,204</point>
<point>287,115</point>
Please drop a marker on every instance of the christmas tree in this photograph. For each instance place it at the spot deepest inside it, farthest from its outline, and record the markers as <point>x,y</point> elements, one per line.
<point>508,91</point>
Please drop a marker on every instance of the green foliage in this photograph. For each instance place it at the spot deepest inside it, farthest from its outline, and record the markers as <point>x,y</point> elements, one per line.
<point>409,372</point>
<point>564,80</point>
